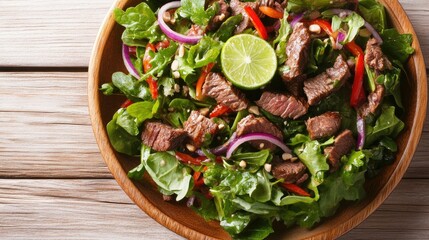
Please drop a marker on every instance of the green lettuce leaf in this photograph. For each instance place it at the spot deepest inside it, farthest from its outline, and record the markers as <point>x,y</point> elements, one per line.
<point>204,52</point>
<point>160,60</point>
<point>279,44</point>
<point>138,172</point>
<point>132,88</point>
<point>297,6</point>
<point>258,229</point>
<point>392,83</point>
<point>226,30</point>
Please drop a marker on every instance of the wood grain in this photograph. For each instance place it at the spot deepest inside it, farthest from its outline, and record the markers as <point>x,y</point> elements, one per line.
<point>62,34</point>
<point>99,209</point>
<point>53,181</point>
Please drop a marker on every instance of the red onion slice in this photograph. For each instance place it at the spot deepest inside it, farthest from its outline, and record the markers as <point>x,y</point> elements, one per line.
<point>360,126</point>
<point>168,31</point>
<point>219,150</point>
<point>256,136</point>
<point>127,62</point>
<point>338,11</point>
<point>296,19</point>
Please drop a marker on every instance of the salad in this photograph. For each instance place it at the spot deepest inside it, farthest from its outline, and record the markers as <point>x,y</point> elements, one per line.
<point>254,112</point>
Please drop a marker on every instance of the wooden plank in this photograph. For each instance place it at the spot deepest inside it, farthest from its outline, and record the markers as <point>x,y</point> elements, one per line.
<point>72,209</point>
<point>46,131</point>
<point>59,32</point>
<point>62,34</point>
<point>45,127</point>
<point>98,209</point>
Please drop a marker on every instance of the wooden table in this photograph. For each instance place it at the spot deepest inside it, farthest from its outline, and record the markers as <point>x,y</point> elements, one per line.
<point>53,181</point>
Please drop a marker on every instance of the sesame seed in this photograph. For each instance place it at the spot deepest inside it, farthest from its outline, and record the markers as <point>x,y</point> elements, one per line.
<point>181,50</point>
<point>176,74</point>
<point>162,163</point>
<point>262,145</point>
<point>204,111</point>
<point>176,87</point>
<point>293,159</point>
<point>220,126</point>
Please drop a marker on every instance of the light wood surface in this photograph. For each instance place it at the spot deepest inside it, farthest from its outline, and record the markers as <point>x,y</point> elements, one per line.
<point>53,181</point>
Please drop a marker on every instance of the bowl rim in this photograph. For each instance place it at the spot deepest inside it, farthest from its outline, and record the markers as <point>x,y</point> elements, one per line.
<point>150,209</point>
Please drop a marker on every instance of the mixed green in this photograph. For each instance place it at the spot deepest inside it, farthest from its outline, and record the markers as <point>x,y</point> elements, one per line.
<point>167,69</point>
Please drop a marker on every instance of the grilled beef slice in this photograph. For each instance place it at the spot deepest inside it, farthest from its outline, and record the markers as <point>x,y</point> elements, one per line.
<point>327,82</point>
<point>237,7</point>
<point>374,101</point>
<point>282,105</point>
<point>324,125</point>
<point>343,144</point>
<point>222,14</point>
<point>375,58</point>
<point>217,87</point>
<point>252,124</point>
<point>291,172</point>
<point>297,52</point>
<point>162,137</point>
<point>199,128</point>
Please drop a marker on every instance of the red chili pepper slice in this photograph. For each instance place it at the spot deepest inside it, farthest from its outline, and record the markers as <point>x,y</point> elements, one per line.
<point>220,110</point>
<point>153,85</point>
<point>198,179</point>
<point>127,103</point>
<point>325,25</point>
<point>198,89</point>
<point>256,22</point>
<point>358,93</point>
<point>271,12</point>
<point>162,44</point>
<point>183,157</point>
<point>295,189</point>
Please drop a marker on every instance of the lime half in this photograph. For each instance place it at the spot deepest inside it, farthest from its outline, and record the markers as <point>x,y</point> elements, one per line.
<point>248,61</point>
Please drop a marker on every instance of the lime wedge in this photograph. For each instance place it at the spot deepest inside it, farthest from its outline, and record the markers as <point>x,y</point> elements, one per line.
<point>248,61</point>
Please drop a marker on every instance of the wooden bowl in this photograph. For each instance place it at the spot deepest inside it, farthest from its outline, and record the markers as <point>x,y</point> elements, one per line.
<point>106,59</point>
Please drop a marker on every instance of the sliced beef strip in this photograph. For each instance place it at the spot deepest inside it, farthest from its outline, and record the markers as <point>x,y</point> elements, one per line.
<point>291,172</point>
<point>295,87</point>
<point>282,105</point>
<point>217,87</point>
<point>222,14</point>
<point>324,84</point>
<point>373,103</point>
<point>252,124</point>
<point>297,51</point>
<point>198,126</point>
<point>162,137</point>
<point>375,58</point>
<point>343,144</point>
<point>324,125</point>
<point>237,7</point>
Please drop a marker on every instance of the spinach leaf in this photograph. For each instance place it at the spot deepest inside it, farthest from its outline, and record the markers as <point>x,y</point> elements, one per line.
<point>138,172</point>
<point>195,10</point>
<point>380,155</point>
<point>255,207</point>
<point>141,111</point>
<point>171,176</point>
<point>133,89</point>
<point>181,110</point>
<point>120,139</point>
<point>128,123</point>
<point>140,23</point>
<point>396,45</point>
<point>226,30</point>
<point>253,158</point>
<point>108,89</point>
<point>204,52</point>
<point>374,13</point>
<point>260,228</point>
